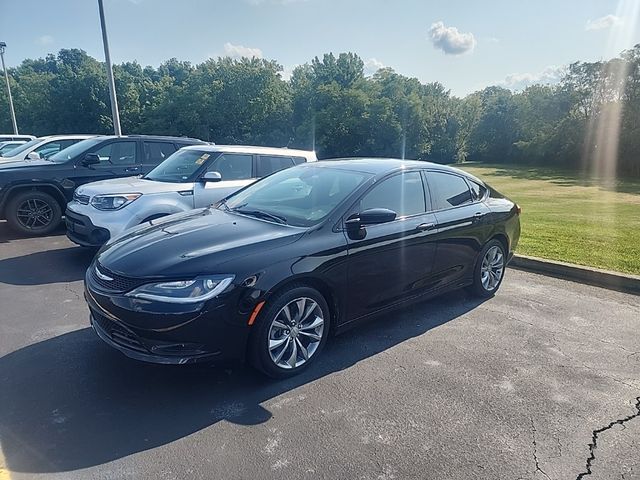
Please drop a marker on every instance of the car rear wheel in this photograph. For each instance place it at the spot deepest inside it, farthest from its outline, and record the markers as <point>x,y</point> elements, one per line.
<point>489,270</point>
<point>33,213</point>
<point>291,332</point>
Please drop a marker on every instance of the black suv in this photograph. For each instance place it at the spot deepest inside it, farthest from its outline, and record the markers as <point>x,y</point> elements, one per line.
<point>34,194</point>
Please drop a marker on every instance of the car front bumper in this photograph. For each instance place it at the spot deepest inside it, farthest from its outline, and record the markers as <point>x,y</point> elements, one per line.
<point>215,331</point>
<point>81,230</point>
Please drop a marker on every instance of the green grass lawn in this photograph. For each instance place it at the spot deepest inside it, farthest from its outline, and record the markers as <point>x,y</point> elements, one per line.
<point>571,218</point>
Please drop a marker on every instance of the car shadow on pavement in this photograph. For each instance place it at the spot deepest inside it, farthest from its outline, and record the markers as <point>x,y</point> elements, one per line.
<point>8,235</point>
<point>71,402</point>
<point>50,266</point>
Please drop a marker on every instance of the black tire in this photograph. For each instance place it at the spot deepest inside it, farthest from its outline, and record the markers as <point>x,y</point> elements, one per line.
<point>17,213</point>
<point>259,353</point>
<point>478,288</point>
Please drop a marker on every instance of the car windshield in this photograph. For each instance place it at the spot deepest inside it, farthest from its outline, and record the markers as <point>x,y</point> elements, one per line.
<point>301,196</point>
<point>74,150</point>
<point>180,167</point>
<point>8,148</point>
<point>25,147</point>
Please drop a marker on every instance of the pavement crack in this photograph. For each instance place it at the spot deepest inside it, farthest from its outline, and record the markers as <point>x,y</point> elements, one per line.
<point>596,433</point>
<point>535,450</point>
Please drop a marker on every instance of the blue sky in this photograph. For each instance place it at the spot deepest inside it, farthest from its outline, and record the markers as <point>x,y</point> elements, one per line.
<point>466,45</point>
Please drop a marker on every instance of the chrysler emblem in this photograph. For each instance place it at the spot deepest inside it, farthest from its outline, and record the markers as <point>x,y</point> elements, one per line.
<point>102,276</point>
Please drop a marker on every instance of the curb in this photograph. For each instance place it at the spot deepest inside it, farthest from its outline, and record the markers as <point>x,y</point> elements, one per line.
<point>620,282</point>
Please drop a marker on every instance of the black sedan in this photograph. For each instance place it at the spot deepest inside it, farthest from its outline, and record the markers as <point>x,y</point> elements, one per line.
<point>269,273</point>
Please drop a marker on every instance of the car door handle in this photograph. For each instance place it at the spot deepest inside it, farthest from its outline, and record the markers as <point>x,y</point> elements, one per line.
<point>426,226</point>
<point>478,215</point>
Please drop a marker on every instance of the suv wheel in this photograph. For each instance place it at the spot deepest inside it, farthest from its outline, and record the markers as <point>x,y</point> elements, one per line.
<point>291,332</point>
<point>33,213</point>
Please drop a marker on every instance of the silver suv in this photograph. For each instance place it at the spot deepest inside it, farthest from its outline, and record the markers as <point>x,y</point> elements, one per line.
<point>193,177</point>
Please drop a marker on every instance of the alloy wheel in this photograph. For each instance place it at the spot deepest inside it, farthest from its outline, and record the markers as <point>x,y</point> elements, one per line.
<point>295,333</point>
<point>34,213</point>
<point>492,268</point>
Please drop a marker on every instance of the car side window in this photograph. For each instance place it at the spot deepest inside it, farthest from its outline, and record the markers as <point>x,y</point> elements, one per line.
<point>299,160</point>
<point>402,193</point>
<point>118,153</point>
<point>477,191</point>
<point>157,152</point>
<point>268,164</point>
<point>448,190</point>
<point>48,149</point>
<point>233,166</point>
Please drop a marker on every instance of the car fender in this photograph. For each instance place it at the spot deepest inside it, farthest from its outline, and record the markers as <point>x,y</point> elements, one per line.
<point>157,205</point>
<point>51,187</point>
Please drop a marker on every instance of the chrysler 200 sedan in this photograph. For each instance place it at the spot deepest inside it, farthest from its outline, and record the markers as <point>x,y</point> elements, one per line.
<point>270,272</point>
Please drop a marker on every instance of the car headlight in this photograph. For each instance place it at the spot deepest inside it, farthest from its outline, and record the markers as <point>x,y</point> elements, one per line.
<point>113,201</point>
<point>184,291</point>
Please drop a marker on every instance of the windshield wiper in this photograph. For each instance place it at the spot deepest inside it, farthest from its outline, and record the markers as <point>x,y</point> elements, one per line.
<point>223,203</point>
<point>261,214</point>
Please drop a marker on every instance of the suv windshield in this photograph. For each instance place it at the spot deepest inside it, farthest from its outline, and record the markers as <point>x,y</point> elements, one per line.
<point>74,150</point>
<point>180,167</point>
<point>301,196</point>
<point>26,146</point>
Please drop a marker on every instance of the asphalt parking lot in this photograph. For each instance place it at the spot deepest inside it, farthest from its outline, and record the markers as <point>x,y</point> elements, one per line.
<point>516,387</point>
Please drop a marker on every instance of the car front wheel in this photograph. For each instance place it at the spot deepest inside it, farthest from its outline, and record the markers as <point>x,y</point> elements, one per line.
<point>489,269</point>
<point>33,213</point>
<point>291,332</point>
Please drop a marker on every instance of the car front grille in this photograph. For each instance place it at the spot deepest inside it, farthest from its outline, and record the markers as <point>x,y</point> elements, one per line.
<point>118,333</point>
<point>112,282</point>
<point>83,199</point>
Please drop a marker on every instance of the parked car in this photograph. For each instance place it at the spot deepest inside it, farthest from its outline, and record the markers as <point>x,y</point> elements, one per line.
<point>267,273</point>
<point>8,145</point>
<point>34,193</point>
<point>193,177</point>
<point>4,137</point>
<point>42,147</point>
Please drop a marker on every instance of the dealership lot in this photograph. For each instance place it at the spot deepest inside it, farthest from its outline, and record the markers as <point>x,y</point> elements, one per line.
<point>451,388</point>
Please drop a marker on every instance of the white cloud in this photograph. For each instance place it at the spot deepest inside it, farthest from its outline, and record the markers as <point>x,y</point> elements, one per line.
<point>602,23</point>
<point>238,51</point>
<point>372,65</point>
<point>519,81</point>
<point>45,40</point>
<point>450,40</point>
<point>287,72</point>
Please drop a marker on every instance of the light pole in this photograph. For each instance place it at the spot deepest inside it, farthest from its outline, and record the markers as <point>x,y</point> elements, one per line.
<point>112,84</point>
<point>6,77</point>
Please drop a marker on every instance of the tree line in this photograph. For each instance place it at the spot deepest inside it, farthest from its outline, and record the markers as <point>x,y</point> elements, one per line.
<point>330,105</point>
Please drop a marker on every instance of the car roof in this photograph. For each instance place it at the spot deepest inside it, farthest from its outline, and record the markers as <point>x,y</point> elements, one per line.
<point>65,137</point>
<point>158,137</point>
<point>381,166</point>
<point>252,149</point>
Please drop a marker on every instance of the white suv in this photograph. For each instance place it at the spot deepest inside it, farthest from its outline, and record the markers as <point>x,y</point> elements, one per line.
<point>42,147</point>
<point>193,177</point>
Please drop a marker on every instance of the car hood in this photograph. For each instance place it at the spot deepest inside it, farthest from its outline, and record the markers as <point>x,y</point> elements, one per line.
<point>10,162</point>
<point>192,243</point>
<point>131,185</point>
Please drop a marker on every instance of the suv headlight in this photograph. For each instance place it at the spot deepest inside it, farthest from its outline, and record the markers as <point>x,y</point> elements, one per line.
<point>113,201</point>
<point>184,291</point>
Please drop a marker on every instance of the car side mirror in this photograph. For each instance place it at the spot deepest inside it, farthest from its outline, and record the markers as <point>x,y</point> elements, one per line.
<point>33,156</point>
<point>211,177</point>
<point>90,159</point>
<point>372,216</point>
